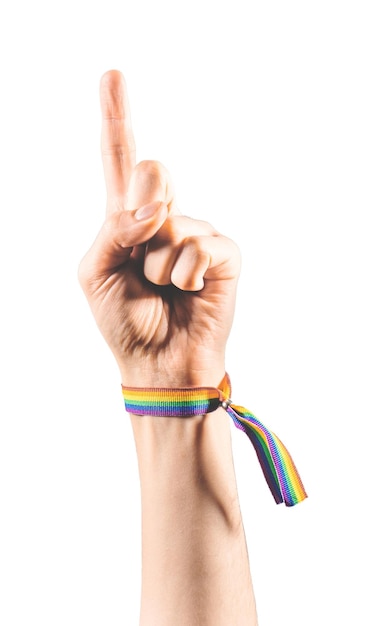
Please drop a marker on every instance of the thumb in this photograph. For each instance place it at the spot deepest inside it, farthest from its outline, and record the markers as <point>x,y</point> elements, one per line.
<point>120,233</point>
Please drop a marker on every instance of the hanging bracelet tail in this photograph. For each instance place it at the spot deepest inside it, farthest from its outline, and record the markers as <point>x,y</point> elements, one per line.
<point>276,463</point>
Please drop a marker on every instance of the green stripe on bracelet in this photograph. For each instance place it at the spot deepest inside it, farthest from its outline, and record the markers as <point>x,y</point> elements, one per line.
<point>276,463</point>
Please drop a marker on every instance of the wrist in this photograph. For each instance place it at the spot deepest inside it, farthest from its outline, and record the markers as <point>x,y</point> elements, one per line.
<point>154,375</point>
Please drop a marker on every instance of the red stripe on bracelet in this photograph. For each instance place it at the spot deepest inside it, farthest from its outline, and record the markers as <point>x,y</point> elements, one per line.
<point>276,463</point>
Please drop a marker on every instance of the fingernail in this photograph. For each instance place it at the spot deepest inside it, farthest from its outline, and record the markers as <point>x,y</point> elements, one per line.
<point>147,211</point>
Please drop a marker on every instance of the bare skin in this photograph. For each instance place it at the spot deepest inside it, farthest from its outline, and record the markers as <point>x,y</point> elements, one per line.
<point>162,289</point>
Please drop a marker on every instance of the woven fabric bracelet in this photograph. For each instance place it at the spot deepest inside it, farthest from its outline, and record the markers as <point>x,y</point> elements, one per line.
<point>276,463</point>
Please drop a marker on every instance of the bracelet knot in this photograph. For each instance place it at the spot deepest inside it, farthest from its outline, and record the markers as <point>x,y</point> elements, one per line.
<point>276,463</point>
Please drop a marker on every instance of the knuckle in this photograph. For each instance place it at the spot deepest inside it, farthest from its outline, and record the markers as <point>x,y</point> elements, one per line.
<point>149,168</point>
<point>194,246</point>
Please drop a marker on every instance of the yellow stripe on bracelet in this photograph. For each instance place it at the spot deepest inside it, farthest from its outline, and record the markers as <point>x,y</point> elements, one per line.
<point>276,463</point>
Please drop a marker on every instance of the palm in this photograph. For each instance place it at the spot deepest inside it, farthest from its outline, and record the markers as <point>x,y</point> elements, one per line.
<point>161,322</point>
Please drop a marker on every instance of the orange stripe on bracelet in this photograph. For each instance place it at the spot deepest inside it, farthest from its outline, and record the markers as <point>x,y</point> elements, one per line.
<point>276,463</point>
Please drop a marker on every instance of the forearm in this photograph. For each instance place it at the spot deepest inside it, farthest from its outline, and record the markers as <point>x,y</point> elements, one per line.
<point>195,568</point>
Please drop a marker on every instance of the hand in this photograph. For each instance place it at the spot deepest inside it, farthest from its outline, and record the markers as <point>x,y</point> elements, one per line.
<point>161,285</point>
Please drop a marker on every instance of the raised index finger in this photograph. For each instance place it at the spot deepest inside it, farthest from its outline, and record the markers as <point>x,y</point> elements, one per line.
<point>117,143</point>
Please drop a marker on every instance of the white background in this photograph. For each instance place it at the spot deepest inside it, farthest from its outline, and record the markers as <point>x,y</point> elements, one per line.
<point>270,117</point>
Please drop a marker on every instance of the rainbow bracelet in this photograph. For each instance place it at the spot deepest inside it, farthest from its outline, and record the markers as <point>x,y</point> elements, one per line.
<point>276,463</point>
